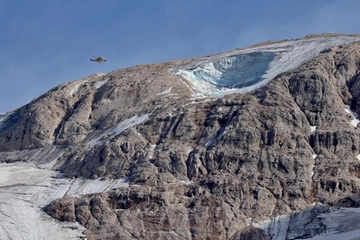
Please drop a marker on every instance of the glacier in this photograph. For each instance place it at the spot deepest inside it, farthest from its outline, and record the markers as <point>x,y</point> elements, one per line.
<point>244,70</point>
<point>317,222</point>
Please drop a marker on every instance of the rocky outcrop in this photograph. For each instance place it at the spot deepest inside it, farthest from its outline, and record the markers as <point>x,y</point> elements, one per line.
<point>199,168</point>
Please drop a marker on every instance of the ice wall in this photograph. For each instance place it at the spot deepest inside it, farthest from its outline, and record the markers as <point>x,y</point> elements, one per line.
<point>247,69</point>
<point>234,71</point>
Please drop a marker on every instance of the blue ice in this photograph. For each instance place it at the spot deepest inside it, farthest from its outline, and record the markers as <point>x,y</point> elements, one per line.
<point>235,71</point>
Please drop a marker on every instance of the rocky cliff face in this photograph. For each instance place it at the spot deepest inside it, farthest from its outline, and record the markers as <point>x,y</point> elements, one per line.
<point>201,165</point>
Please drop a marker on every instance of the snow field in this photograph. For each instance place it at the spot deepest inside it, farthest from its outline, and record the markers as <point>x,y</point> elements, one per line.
<point>25,189</point>
<point>337,223</point>
<point>247,69</point>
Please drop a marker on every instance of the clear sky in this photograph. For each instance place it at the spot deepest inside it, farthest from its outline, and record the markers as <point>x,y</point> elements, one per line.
<point>44,43</point>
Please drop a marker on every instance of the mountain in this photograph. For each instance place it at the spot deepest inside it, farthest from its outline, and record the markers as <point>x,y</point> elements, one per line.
<point>253,143</point>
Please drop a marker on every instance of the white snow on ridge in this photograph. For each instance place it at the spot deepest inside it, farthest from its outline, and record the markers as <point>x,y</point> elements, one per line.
<point>247,69</point>
<point>101,83</point>
<point>77,87</point>
<point>3,116</point>
<point>122,126</point>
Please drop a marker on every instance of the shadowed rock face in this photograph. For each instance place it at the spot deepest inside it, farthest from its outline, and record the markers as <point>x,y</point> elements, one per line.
<point>199,168</point>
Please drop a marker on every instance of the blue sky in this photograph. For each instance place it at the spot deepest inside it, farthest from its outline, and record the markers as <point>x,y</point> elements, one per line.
<point>44,43</point>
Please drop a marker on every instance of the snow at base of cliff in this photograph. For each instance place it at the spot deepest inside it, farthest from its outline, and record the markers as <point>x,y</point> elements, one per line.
<point>26,187</point>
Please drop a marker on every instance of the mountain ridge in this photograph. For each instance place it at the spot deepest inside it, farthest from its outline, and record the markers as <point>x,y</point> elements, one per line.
<point>198,166</point>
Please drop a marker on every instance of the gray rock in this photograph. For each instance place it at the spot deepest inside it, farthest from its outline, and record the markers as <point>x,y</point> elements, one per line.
<point>198,169</point>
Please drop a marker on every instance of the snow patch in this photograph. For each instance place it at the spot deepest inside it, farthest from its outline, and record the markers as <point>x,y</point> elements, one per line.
<point>151,151</point>
<point>358,157</point>
<point>101,83</point>
<point>187,182</point>
<point>190,149</point>
<point>3,116</point>
<point>176,234</point>
<point>129,123</point>
<point>276,227</point>
<point>355,116</point>
<point>215,137</point>
<point>312,128</point>
<point>247,69</point>
<point>86,186</point>
<point>222,134</point>
<point>122,126</point>
<point>167,91</point>
<point>77,87</point>
<point>314,156</point>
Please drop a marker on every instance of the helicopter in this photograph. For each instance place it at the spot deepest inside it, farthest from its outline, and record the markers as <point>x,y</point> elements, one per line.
<point>98,59</point>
